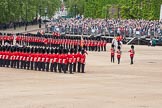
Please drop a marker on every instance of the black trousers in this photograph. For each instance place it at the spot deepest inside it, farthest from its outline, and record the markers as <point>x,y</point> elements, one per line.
<point>17,64</point>
<point>59,67</point>
<point>70,67</point>
<point>25,64</point>
<point>79,66</point>
<point>131,60</point>
<point>64,67</point>
<point>74,67</point>
<point>31,65</point>
<point>112,58</point>
<point>55,67</point>
<point>39,66</point>
<point>3,63</point>
<point>52,66</point>
<point>104,48</point>
<point>83,66</point>
<point>36,65</point>
<point>47,66</point>
<point>98,48</point>
<point>43,66</point>
<point>101,48</point>
<point>0,62</point>
<point>28,65</point>
<point>22,64</point>
<point>118,60</point>
<point>7,62</point>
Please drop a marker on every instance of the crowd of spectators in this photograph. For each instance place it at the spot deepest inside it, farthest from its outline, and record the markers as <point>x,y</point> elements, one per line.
<point>110,27</point>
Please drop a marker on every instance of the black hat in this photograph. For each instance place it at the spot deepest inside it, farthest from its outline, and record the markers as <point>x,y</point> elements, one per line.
<point>112,45</point>
<point>52,51</point>
<point>56,51</point>
<point>132,46</point>
<point>71,50</point>
<point>119,47</point>
<point>82,51</point>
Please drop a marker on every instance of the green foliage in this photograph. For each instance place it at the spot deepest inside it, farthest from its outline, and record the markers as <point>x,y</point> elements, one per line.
<point>17,10</point>
<point>134,9</point>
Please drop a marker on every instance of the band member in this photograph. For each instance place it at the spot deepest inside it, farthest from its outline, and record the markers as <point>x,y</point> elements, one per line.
<point>132,52</point>
<point>119,54</point>
<point>112,53</point>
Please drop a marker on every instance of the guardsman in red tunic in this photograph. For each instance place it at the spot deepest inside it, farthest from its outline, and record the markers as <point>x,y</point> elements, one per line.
<point>43,59</point>
<point>104,44</point>
<point>1,54</point>
<point>112,53</point>
<point>39,57</point>
<point>132,52</point>
<point>47,55</point>
<point>64,61</point>
<point>36,59</point>
<point>7,58</point>
<point>70,60</point>
<point>54,61</point>
<point>118,54</point>
<point>17,58</point>
<point>74,60</point>
<point>28,58</point>
<point>60,61</point>
<point>78,60</point>
<point>32,59</point>
<point>24,58</point>
<point>82,60</point>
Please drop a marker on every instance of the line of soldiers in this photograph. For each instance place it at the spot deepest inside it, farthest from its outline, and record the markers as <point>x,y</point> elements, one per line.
<point>6,38</point>
<point>68,42</point>
<point>119,52</point>
<point>43,59</point>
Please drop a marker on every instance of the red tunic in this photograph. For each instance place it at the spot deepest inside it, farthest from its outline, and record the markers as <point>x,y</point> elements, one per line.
<point>70,58</point>
<point>131,53</point>
<point>118,54</point>
<point>82,58</point>
<point>112,51</point>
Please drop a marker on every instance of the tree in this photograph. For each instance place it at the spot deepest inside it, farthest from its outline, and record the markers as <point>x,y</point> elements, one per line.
<point>18,10</point>
<point>134,9</point>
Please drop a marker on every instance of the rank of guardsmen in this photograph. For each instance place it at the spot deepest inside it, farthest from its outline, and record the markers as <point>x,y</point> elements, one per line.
<point>68,42</point>
<point>43,59</point>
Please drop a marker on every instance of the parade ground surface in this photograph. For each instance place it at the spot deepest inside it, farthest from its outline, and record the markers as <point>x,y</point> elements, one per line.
<point>104,85</point>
